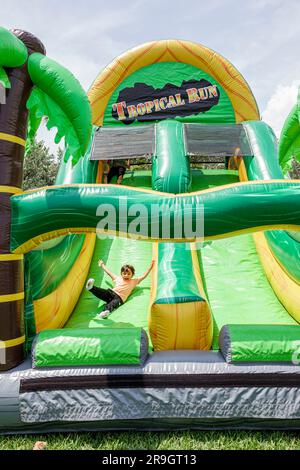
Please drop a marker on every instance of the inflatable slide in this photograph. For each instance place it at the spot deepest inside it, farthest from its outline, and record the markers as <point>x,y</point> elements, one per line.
<point>212,338</point>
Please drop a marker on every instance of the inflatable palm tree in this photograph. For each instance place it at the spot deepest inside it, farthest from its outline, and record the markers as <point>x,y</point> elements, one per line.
<point>34,86</point>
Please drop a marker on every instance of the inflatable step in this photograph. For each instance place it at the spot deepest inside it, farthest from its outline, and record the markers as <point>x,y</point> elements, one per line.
<point>90,347</point>
<point>260,343</point>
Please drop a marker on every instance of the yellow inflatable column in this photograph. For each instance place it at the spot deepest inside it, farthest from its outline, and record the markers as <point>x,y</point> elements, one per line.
<point>180,318</point>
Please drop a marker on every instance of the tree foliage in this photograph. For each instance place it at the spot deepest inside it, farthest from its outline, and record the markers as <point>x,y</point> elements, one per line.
<point>294,172</point>
<point>144,163</point>
<point>40,166</point>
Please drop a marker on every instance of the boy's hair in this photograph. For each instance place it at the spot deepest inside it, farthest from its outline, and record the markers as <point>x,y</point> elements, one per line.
<point>128,266</point>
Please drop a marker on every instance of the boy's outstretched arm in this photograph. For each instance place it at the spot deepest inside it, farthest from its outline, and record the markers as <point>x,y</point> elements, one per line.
<point>143,276</point>
<point>102,265</point>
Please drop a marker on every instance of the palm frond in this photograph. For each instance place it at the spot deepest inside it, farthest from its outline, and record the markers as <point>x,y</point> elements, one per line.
<point>60,97</point>
<point>13,53</point>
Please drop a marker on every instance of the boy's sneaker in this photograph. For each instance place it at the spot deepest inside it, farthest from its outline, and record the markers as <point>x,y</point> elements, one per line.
<point>103,314</point>
<point>90,284</point>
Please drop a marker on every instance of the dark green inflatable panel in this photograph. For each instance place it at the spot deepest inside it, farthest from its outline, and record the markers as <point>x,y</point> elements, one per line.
<point>171,168</point>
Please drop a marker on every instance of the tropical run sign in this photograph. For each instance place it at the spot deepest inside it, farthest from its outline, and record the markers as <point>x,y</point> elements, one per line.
<point>143,102</point>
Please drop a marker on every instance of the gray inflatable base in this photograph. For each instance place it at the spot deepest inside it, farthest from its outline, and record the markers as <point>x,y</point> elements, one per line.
<point>152,407</point>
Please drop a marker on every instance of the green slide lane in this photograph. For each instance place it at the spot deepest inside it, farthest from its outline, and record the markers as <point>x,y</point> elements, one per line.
<point>115,252</point>
<point>237,288</point>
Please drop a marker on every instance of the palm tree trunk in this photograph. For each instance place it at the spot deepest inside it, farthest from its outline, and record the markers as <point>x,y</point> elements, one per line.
<point>13,127</point>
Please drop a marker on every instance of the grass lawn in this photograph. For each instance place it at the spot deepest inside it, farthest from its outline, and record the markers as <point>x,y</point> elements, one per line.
<point>185,440</point>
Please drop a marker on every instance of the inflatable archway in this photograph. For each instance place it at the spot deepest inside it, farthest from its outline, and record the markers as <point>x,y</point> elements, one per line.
<point>184,59</point>
<point>218,321</point>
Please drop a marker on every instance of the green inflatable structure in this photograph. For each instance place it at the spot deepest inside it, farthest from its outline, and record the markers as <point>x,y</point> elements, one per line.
<point>166,160</point>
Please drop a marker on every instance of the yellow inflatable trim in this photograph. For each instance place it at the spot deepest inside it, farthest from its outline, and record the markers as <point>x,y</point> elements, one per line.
<point>12,138</point>
<point>12,342</point>
<point>10,189</point>
<point>11,297</point>
<point>286,289</point>
<point>11,257</point>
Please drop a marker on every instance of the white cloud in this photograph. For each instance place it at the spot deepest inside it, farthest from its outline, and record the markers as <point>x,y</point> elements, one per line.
<point>86,36</point>
<point>280,104</point>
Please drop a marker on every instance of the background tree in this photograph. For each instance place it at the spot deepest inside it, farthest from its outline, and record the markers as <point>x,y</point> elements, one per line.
<point>40,166</point>
<point>294,172</point>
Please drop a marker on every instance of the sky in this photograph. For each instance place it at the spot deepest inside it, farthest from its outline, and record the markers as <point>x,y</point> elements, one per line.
<point>260,37</point>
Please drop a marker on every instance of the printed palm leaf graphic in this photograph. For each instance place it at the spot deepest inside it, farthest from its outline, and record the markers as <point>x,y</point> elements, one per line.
<point>289,143</point>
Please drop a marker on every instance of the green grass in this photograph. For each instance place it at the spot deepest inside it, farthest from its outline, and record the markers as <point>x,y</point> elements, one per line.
<point>185,440</point>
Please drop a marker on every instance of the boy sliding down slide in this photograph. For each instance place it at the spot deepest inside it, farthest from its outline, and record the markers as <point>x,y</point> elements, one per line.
<point>123,286</point>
